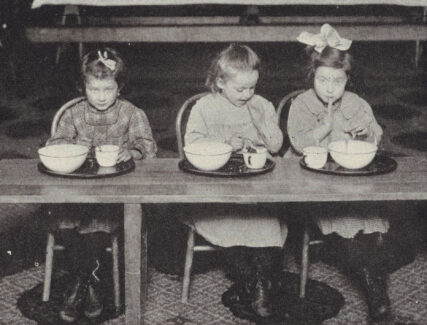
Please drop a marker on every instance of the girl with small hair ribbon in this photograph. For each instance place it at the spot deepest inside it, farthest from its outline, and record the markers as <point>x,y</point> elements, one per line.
<point>102,118</point>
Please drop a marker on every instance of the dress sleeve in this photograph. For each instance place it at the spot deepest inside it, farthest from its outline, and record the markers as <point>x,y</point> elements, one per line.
<point>301,124</point>
<point>365,116</point>
<point>65,130</point>
<point>140,135</point>
<point>197,129</point>
<point>269,132</point>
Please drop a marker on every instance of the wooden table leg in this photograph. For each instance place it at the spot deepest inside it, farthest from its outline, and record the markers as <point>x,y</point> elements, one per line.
<point>135,244</point>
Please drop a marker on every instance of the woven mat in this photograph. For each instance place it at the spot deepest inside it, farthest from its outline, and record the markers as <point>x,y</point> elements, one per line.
<point>320,303</point>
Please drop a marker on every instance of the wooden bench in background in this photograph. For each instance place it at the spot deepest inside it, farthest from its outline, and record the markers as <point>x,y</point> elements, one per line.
<point>249,27</point>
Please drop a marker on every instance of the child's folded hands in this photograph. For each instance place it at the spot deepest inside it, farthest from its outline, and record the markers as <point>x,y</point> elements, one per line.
<point>236,142</point>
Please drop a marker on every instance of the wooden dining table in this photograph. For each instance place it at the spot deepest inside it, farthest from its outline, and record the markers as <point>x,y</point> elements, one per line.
<point>160,181</point>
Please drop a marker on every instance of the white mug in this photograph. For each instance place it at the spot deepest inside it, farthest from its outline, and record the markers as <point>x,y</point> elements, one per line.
<point>255,160</point>
<point>106,155</point>
<point>315,157</point>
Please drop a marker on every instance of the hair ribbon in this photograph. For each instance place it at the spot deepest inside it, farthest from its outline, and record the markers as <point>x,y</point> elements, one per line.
<point>328,36</point>
<point>110,64</point>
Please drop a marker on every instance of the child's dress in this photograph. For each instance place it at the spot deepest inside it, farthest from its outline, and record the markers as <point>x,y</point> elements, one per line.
<point>307,113</point>
<point>214,118</point>
<point>123,125</point>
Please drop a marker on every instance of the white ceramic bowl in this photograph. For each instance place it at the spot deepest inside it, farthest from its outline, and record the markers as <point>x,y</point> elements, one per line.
<point>106,155</point>
<point>63,158</point>
<point>352,155</point>
<point>208,155</point>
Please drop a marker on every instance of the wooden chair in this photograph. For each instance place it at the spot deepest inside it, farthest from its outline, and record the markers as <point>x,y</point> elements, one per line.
<point>282,113</point>
<point>51,246</point>
<point>180,122</point>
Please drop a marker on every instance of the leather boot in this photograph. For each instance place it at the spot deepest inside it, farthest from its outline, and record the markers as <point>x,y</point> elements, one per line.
<point>364,262</point>
<point>73,299</point>
<point>94,302</point>
<point>241,272</point>
<point>261,295</point>
<point>262,289</point>
<point>375,289</point>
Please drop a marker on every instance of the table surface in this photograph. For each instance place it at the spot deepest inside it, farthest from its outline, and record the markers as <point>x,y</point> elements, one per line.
<point>39,3</point>
<point>161,181</point>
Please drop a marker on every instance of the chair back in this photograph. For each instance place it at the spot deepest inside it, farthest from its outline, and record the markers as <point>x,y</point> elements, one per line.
<point>282,113</point>
<point>181,121</point>
<point>61,111</point>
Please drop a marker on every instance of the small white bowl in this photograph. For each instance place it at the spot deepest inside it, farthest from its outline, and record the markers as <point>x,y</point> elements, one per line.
<point>106,155</point>
<point>63,158</point>
<point>208,156</point>
<point>353,154</point>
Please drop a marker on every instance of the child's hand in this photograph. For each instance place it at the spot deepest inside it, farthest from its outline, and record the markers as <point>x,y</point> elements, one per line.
<point>236,142</point>
<point>124,155</point>
<point>359,131</point>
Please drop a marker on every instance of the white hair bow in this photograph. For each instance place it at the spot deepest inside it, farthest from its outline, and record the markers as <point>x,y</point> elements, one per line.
<point>327,37</point>
<point>110,64</point>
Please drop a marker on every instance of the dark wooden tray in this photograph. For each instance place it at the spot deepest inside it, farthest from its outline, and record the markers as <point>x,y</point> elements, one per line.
<point>380,165</point>
<point>91,169</point>
<point>235,167</point>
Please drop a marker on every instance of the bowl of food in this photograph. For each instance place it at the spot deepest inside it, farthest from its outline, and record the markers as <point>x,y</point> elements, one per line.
<point>352,154</point>
<point>208,156</point>
<point>63,158</point>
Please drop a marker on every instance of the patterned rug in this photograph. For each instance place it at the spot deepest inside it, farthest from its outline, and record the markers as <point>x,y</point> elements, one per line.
<point>407,290</point>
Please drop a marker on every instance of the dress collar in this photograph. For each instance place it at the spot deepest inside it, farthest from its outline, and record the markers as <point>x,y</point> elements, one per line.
<point>107,117</point>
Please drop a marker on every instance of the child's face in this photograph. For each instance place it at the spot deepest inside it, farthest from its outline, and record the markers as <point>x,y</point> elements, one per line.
<point>329,83</point>
<point>240,87</point>
<point>101,93</point>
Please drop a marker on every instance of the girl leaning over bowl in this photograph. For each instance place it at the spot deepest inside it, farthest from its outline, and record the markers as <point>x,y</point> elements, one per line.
<point>327,112</point>
<point>102,118</point>
<point>252,235</point>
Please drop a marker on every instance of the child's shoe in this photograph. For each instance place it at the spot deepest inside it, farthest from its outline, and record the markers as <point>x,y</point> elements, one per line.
<point>261,297</point>
<point>93,304</point>
<point>72,302</point>
<point>375,287</point>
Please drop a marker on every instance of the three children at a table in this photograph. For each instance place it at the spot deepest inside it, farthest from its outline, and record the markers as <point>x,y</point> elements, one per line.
<point>252,235</point>
<point>102,118</point>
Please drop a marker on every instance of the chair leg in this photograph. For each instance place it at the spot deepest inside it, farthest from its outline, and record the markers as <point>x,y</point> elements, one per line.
<point>116,274</point>
<point>48,267</point>
<point>188,265</point>
<point>304,262</point>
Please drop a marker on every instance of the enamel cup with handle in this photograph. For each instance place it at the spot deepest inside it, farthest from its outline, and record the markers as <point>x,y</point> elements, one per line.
<point>106,155</point>
<point>315,157</point>
<point>255,160</point>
